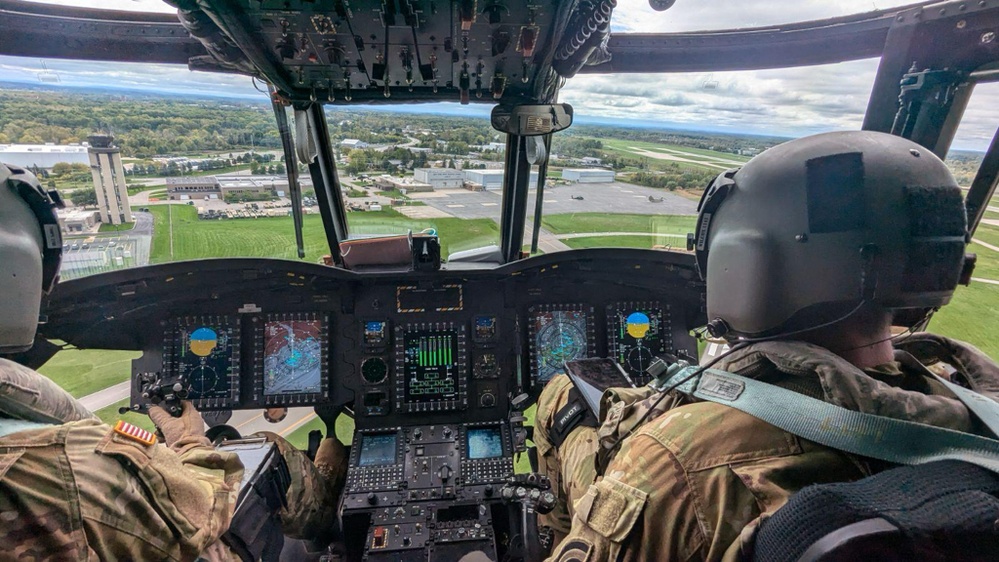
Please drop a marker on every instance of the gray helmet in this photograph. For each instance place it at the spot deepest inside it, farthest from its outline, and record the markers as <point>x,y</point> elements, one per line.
<point>30,254</point>
<point>809,230</point>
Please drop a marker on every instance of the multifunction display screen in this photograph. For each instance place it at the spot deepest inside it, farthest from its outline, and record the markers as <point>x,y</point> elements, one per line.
<point>431,365</point>
<point>377,450</point>
<point>203,356</point>
<point>559,336</point>
<point>484,443</point>
<point>293,353</point>
<point>637,333</point>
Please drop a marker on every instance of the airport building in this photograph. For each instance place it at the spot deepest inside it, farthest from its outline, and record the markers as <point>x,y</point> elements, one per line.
<point>44,156</point>
<point>588,175</point>
<point>109,180</point>
<point>407,185</point>
<point>491,179</point>
<point>439,178</point>
<point>186,188</point>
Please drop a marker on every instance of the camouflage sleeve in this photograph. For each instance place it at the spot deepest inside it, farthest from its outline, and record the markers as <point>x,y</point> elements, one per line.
<point>644,484</point>
<point>313,493</point>
<point>142,502</point>
<point>572,467</point>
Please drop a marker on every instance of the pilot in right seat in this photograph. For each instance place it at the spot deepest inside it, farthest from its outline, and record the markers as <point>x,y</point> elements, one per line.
<point>811,249</point>
<point>73,488</point>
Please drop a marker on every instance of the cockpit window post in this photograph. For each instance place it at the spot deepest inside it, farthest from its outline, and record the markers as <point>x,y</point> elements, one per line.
<point>539,201</point>
<point>329,194</point>
<point>294,188</point>
<point>514,203</point>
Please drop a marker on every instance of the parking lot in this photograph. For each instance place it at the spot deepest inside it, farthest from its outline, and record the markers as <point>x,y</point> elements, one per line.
<point>107,251</point>
<point>615,197</point>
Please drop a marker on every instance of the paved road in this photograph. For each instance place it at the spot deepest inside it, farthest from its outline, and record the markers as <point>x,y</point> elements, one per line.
<point>106,397</point>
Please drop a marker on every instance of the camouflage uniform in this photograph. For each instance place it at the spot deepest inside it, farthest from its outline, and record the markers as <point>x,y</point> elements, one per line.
<point>79,491</point>
<point>570,467</point>
<point>695,482</point>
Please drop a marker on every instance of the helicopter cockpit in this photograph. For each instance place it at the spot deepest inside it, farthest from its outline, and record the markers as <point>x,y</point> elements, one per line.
<point>437,357</point>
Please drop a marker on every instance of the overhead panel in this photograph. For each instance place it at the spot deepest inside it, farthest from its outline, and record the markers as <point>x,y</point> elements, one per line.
<point>396,50</point>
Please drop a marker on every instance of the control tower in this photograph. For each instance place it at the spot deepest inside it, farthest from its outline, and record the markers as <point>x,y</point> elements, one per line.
<point>109,180</point>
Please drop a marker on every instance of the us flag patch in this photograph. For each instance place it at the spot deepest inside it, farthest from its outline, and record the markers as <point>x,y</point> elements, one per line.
<point>129,431</point>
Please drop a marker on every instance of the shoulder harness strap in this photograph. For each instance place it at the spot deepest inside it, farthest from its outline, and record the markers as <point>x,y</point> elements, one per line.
<point>868,435</point>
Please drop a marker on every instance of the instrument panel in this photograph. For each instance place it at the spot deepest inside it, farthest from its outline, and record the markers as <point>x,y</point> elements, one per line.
<point>420,346</point>
<point>431,365</point>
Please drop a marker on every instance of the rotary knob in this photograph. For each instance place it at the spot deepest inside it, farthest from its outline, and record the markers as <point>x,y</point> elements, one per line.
<point>487,400</point>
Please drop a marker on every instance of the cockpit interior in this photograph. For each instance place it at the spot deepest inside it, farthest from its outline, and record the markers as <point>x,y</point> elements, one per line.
<point>437,360</point>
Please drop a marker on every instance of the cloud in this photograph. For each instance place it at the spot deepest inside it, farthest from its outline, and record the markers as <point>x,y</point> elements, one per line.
<point>786,102</point>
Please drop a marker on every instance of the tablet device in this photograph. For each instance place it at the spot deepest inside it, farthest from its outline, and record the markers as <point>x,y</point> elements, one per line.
<point>593,376</point>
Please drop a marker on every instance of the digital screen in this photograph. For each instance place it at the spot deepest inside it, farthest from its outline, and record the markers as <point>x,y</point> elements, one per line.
<point>377,450</point>
<point>485,328</point>
<point>375,332</point>
<point>431,364</point>
<point>293,354</point>
<point>484,443</point>
<point>559,336</point>
<point>204,358</point>
<point>638,335</point>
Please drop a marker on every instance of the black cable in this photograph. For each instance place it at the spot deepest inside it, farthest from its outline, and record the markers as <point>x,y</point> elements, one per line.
<point>666,391</point>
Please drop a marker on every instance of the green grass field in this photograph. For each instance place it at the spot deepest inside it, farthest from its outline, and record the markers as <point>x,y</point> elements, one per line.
<point>988,234</point>
<point>571,223</point>
<point>274,237</point>
<point>84,371</point>
<point>110,415</point>
<point>623,241</point>
<point>971,316</point>
<point>117,227</point>
<point>987,266</point>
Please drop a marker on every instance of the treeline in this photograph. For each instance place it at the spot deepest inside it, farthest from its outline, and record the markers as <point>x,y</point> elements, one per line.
<point>672,179</point>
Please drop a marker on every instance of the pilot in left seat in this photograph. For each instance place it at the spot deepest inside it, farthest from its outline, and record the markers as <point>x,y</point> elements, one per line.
<point>73,488</point>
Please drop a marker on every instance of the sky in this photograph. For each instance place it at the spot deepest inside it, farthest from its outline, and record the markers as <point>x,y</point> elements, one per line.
<point>784,102</point>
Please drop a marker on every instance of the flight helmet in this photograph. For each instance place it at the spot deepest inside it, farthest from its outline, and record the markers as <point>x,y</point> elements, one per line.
<point>807,232</point>
<point>30,254</point>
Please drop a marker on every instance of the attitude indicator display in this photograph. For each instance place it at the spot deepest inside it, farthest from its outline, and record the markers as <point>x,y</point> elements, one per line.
<point>638,332</point>
<point>559,333</point>
<point>431,367</point>
<point>204,356</point>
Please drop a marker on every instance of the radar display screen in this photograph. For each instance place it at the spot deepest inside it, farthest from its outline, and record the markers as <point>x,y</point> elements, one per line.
<point>558,335</point>
<point>637,333</point>
<point>293,352</point>
<point>377,450</point>
<point>204,355</point>
<point>484,443</point>
<point>431,366</point>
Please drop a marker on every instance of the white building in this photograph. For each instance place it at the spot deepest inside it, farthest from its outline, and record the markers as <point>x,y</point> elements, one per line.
<point>350,144</point>
<point>588,175</point>
<point>77,220</point>
<point>109,180</point>
<point>43,155</point>
<point>491,179</point>
<point>439,178</point>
